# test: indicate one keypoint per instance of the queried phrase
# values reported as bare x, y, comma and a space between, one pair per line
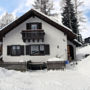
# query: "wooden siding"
54, 65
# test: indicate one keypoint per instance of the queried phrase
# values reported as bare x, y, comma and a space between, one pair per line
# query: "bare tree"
5, 19
79, 13
45, 6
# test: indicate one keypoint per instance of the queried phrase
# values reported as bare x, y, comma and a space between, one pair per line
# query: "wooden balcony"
32, 35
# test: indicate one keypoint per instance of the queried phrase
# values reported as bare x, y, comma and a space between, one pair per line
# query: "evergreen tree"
69, 17
45, 6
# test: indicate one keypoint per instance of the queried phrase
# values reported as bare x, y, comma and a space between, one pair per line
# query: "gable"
33, 13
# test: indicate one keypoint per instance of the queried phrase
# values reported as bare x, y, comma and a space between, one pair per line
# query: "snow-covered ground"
81, 52
77, 78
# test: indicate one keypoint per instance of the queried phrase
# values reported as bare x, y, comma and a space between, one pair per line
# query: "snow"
77, 78
43, 80
81, 52
77, 41
84, 65
56, 59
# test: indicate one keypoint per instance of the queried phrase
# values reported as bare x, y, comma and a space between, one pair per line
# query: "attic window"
34, 26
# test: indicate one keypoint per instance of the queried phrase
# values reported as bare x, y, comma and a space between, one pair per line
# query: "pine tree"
45, 6
69, 17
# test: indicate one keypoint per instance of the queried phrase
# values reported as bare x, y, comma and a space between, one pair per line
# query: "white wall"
53, 37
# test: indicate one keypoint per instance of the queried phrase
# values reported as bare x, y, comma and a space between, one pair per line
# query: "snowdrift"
81, 52
84, 66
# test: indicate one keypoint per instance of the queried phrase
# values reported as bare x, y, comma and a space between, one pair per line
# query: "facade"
35, 37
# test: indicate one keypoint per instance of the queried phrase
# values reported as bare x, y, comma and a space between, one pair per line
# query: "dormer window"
34, 26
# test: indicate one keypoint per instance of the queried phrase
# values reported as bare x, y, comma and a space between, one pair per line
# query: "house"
36, 37
87, 40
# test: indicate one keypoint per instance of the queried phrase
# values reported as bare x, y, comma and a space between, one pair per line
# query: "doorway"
70, 51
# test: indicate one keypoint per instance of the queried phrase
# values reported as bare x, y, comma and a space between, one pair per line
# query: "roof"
77, 43
32, 13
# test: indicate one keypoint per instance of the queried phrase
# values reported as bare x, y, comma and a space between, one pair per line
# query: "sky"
19, 7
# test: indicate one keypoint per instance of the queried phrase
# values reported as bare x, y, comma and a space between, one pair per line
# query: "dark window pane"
28, 50
47, 49
8, 50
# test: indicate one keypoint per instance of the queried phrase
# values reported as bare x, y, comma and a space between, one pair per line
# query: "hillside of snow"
84, 65
77, 78
81, 52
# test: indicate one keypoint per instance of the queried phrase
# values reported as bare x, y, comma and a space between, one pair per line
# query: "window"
37, 50
15, 50
34, 26
34, 50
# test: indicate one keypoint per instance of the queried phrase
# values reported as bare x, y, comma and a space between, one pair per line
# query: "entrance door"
70, 51
0, 50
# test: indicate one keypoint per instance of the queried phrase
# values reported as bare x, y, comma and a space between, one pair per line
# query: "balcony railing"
32, 35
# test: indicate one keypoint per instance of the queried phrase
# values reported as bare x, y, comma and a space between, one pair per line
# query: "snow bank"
84, 66
56, 59
81, 52
43, 80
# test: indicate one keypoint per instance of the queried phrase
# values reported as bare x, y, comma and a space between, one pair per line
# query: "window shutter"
47, 50
9, 50
39, 26
22, 50
28, 26
28, 50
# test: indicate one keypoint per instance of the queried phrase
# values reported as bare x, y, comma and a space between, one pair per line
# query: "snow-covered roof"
53, 19
30, 13
75, 40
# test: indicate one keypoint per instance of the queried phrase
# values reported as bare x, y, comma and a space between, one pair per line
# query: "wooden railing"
33, 35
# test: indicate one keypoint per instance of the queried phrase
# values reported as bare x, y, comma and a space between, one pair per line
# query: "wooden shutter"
28, 26
28, 50
47, 50
9, 50
39, 26
22, 50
